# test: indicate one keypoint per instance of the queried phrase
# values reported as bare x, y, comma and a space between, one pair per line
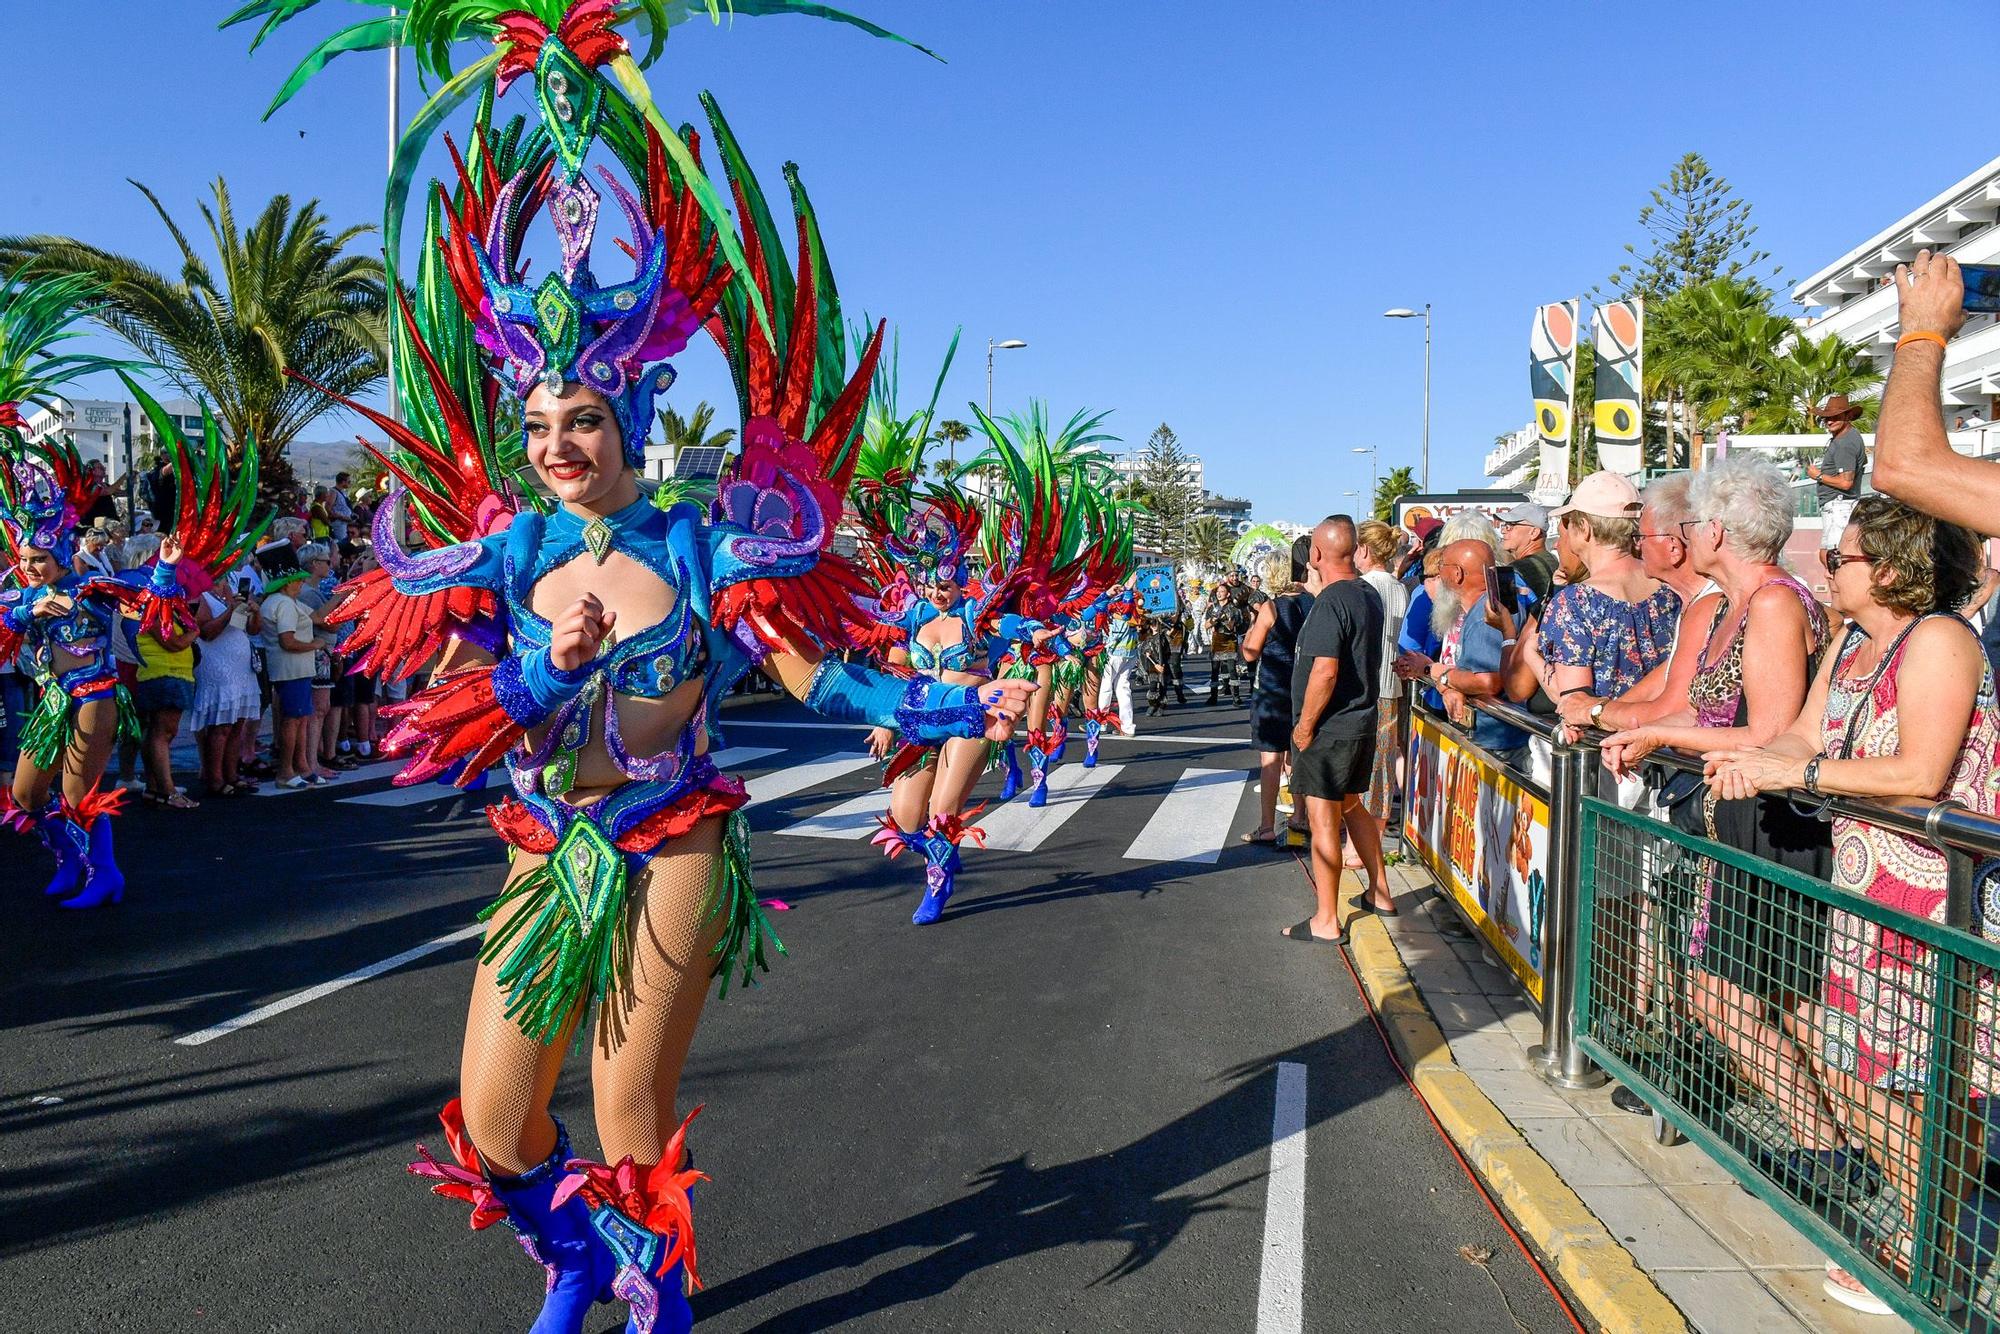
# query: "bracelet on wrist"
1921, 336
1811, 775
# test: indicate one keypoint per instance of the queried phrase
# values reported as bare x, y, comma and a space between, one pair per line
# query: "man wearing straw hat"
1839, 470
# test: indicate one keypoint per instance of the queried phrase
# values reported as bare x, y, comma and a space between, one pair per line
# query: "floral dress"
1879, 982
1619, 641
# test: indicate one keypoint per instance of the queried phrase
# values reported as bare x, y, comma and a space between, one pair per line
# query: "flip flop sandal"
1268, 836
1362, 904
1304, 935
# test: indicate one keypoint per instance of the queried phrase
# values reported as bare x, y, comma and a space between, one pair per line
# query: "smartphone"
1982, 288
1500, 588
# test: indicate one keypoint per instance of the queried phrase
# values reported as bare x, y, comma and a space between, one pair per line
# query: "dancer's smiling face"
944, 594
37, 567
574, 444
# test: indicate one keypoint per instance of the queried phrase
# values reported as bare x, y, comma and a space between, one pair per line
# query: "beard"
1446, 608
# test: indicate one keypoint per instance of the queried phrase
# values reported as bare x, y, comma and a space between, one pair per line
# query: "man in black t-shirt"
1336, 681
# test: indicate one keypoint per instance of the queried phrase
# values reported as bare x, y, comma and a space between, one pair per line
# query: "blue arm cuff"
923, 710
163, 582
530, 687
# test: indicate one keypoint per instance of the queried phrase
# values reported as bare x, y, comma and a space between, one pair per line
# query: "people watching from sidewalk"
93, 554
164, 690
1841, 468
1524, 537
1610, 622
1751, 954
289, 623
280, 554
1376, 557
1336, 678
1468, 665
323, 728
1896, 575
1271, 643
1663, 551
226, 699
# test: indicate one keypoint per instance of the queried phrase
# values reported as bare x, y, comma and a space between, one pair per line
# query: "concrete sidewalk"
1726, 1259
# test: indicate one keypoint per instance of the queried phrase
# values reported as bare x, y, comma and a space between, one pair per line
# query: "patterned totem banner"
1552, 378
1620, 333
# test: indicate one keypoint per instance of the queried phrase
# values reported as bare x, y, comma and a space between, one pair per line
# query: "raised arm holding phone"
1914, 461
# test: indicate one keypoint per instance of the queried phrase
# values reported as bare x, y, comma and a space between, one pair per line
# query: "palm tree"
951, 433
691, 431
280, 297
1805, 376
1208, 542
1392, 487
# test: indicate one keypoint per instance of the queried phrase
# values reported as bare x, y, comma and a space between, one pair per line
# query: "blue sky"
1194, 213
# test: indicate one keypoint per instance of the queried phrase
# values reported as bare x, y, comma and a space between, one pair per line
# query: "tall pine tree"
1165, 486
1697, 230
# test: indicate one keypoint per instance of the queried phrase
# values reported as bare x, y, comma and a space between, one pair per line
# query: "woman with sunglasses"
1897, 574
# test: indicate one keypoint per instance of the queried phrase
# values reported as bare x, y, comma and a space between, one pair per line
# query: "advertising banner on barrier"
1485, 839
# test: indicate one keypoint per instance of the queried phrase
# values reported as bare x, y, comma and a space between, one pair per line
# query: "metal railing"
1833, 1052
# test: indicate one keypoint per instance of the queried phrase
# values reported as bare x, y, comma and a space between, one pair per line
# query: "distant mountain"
316, 461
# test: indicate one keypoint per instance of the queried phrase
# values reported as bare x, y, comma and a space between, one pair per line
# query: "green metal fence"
1834, 1053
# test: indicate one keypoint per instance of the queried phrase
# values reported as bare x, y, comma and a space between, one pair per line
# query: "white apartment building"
97, 426
1855, 297
1129, 466
1513, 459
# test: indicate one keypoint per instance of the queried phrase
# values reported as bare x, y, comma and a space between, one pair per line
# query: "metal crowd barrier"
1835, 1054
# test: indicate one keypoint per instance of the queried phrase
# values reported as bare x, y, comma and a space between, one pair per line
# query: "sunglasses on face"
1833, 560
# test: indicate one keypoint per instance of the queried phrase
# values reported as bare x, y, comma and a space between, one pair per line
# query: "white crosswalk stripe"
1193, 820
850, 820
1019, 827
496, 779
782, 783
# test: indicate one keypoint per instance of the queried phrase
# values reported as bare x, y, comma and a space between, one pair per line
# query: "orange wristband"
1921, 336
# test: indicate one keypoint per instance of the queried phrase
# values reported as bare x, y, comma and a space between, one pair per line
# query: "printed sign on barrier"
1155, 584
1485, 839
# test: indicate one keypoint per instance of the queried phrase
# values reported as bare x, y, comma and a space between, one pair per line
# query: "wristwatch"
1597, 711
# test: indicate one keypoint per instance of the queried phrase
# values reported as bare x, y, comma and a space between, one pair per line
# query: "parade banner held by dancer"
1155, 586
1485, 838
1552, 379
1618, 419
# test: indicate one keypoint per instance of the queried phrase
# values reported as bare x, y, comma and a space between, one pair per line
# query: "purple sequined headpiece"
38, 511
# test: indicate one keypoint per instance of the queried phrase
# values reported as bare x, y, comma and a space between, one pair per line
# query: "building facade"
97, 427
1513, 459
1855, 297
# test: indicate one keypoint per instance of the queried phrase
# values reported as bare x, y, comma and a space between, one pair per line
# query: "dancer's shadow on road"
1136, 1196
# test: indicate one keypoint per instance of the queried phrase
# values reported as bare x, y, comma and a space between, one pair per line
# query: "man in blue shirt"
1467, 663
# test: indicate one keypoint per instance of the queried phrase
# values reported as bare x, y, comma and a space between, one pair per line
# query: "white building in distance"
1855, 297
97, 426
1513, 458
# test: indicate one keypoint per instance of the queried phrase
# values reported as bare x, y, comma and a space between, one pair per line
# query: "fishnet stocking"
506, 1078
644, 1034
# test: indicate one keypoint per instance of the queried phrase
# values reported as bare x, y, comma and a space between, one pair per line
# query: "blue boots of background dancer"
79, 838
1010, 782
1039, 750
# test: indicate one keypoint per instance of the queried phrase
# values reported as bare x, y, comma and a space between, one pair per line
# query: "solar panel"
702, 463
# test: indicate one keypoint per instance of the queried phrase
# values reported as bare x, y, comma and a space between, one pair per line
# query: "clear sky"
1193, 213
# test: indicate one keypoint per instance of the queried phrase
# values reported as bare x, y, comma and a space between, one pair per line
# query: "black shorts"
1334, 767
350, 689
1271, 722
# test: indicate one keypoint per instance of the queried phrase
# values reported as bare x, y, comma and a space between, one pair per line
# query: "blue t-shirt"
1479, 650
1416, 636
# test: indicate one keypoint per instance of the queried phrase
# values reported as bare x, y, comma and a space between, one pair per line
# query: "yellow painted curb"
1607, 1282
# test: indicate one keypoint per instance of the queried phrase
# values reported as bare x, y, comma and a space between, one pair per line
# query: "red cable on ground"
1470, 1175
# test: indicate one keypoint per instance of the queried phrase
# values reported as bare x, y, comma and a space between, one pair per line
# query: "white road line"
850, 820
496, 780
782, 783
1281, 1281
341, 983
730, 721
1193, 820
379, 769
1019, 827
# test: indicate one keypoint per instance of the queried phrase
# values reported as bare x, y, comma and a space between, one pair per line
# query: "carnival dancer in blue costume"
59, 623
588, 642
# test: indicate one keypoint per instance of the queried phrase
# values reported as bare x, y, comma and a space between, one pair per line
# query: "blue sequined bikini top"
651, 663
960, 657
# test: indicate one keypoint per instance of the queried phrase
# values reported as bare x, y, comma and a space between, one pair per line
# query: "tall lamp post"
395, 136
1374, 453
990, 346
1405, 313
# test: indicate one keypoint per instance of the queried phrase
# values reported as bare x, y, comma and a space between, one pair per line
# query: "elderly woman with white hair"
1748, 957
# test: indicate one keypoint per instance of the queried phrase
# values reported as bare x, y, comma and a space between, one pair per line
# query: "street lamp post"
1374, 453
395, 136
990, 345
1405, 313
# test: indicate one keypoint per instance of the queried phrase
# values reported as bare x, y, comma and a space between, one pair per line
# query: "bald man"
1336, 680
1468, 663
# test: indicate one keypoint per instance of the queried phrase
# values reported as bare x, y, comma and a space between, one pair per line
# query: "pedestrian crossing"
1192, 822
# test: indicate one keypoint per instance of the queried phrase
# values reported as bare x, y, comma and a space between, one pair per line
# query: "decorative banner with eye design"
1620, 336
1552, 379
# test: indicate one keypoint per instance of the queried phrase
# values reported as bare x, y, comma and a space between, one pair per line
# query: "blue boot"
1038, 770
103, 883
561, 1239
1091, 731
67, 843
1058, 737
1010, 783
941, 865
